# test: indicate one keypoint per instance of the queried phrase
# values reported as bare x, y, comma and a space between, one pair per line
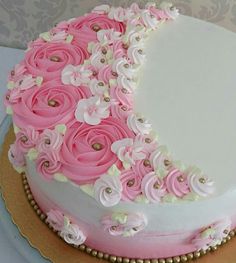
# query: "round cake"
124, 129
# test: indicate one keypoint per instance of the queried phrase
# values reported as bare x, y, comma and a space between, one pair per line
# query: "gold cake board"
47, 242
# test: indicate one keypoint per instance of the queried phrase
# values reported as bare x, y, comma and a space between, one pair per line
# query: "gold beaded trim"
114, 259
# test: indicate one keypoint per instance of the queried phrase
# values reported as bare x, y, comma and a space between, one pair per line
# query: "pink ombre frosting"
177, 183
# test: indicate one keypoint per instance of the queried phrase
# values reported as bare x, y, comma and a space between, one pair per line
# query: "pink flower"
72, 234
120, 112
27, 138
12, 96
105, 74
49, 59
153, 187
75, 75
122, 224
51, 104
108, 189
92, 110
122, 96
212, 235
16, 156
55, 218
177, 183
49, 140
149, 143
128, 151
131, 183
89, 147
17, 72
85, 28
48, 163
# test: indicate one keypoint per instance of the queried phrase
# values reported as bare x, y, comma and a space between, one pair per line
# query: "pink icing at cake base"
144, 245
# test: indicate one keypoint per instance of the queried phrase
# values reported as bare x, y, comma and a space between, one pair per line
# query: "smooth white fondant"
187, 91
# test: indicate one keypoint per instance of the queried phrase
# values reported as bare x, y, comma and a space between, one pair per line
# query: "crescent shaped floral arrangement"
72, 99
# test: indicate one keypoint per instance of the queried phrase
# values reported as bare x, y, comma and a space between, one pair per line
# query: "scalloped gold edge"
112, 258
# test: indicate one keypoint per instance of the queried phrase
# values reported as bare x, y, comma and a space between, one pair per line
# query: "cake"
94, 103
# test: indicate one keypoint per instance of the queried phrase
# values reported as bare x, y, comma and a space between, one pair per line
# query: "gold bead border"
114, 259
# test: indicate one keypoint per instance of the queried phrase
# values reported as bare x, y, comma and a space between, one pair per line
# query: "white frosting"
187, 91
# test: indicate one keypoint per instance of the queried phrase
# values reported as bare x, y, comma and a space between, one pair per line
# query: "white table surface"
13, 247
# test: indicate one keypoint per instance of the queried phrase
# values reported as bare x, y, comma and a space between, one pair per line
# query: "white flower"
149, 20
123, 67
92, 110
75, 75
128, 151
101, 9
98, 88
138, 125
171, 11
72, 234
120, 14
107, 37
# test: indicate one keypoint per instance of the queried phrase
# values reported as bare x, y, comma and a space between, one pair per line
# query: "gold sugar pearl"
96, 28
13, 73
102, 60
123, 90
146, 163
137, 38
47, 141
202, 180
156, 185
225, 231
125, 46
46, 164
24, 139
141, 120
97, 146
148, 140
104, 51
113, 227
8, 97
130, 182
100, 83
126, 65
55, 59
114, 74
167, 162
108, 190
124, 108
52, 103
95, 73
20, 82
107, 99
140, 51
180, 178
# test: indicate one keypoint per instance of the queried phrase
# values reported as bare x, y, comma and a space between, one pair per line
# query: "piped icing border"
207, 240
72, 104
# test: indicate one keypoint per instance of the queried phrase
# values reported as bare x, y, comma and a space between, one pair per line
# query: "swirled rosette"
153, 187
177, 183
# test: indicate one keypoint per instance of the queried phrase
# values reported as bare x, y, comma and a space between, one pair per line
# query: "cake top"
72, 100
